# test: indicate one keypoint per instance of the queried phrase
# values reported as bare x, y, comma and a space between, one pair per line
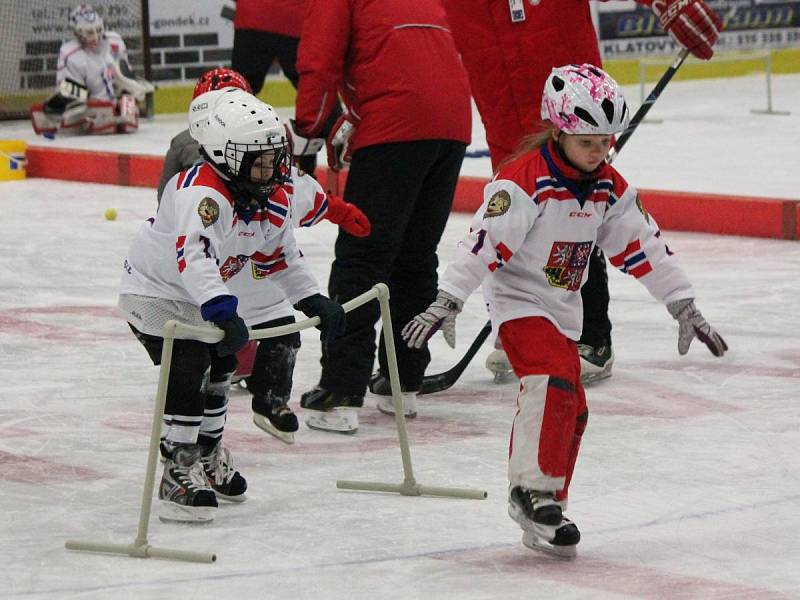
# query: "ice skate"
330, 411
223, 477
385, 404
544, 526
596, 363
497, 363
379, 384
276, 418
185, 494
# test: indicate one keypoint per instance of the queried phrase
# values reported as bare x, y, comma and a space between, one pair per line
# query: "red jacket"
396, 65
508, 63
275, 16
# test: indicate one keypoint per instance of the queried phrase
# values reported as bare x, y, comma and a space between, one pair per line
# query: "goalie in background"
96, 91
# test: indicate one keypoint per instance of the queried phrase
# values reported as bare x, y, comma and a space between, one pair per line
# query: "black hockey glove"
236, 335
331, 316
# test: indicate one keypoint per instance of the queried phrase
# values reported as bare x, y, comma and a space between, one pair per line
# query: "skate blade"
533, 542
503, 376
588, 378
263, 423
169, 512
237, 499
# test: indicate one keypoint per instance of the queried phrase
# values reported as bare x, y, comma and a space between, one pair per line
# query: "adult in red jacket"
396, 65
509, 49
265, 31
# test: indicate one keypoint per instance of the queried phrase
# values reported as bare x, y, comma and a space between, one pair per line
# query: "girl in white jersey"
543, 214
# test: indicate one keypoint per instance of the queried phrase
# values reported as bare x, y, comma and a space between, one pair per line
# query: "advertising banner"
630, 30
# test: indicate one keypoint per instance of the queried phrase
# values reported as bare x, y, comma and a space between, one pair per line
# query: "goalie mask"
585, 100
244, 139
217, 79
87, 26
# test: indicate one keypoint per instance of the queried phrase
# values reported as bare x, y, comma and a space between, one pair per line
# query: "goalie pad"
127, 114
125, 82
93, 117
66, 108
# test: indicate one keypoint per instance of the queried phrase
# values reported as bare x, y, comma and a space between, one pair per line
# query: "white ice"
687, 486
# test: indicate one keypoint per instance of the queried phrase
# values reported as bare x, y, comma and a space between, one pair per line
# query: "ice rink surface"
688, 484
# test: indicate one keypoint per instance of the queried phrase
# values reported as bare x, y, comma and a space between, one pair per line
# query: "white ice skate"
342, 419
497, 362
596, 363
385, 404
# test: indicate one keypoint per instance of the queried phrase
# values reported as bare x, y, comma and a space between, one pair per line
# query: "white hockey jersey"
534, 237
196, 246
92, 68
260, 299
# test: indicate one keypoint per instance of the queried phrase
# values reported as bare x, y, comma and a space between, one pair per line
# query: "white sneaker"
342, 419
497, 362
385, 404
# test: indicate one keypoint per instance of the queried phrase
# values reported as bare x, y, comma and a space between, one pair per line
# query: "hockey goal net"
33, 33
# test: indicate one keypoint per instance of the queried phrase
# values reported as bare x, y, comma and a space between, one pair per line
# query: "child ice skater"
543, 214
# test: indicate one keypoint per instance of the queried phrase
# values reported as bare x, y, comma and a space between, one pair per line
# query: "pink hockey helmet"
219, 78
584, 99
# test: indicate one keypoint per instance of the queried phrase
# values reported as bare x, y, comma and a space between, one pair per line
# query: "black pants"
253, 54
406, 189
596, 324
273, 368
190, 361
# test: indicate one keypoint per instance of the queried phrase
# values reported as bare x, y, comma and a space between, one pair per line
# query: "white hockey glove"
299, 145
441, 314
125, 82
691, 324
337, 144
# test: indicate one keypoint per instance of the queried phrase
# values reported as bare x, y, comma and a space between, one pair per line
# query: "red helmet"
219, 78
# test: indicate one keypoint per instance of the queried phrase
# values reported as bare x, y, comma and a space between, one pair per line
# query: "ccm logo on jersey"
580, 214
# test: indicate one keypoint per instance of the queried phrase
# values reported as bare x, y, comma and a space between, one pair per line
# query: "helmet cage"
87, 25
240, 159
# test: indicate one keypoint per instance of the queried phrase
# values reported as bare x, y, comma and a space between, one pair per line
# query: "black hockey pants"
406, 189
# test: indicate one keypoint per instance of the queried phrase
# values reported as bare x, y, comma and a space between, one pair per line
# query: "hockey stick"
647, 104
438, 383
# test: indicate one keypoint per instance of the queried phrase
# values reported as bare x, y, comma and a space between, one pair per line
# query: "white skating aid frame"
140, 548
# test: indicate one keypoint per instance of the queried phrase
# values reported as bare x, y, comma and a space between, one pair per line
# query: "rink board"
677, 211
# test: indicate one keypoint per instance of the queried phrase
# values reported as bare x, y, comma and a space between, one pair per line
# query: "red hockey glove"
691, 23
348, 216
337, 143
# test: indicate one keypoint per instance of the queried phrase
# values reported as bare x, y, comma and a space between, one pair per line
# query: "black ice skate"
596, 363
276, 418
331, 411
223, 477
379, 384
544, 526
185, 494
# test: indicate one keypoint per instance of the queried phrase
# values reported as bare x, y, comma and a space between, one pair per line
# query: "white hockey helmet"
584, 99
87, 25
234, 129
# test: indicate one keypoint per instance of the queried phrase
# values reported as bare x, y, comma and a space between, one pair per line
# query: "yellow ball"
110, 214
